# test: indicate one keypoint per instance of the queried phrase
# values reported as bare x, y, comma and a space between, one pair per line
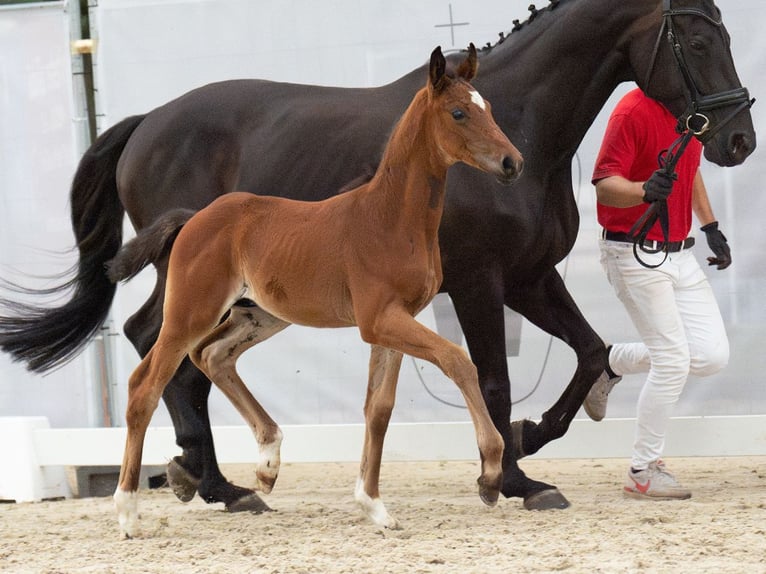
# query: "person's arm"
700, 201
704, 213
616, 191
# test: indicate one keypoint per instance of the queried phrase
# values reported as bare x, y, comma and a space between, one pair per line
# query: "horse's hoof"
265, 482
249, 503
183, 484
489, 497
517, 439
488, 494
550, 499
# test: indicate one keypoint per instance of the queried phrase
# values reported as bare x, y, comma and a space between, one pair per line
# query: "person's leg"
649, 298
705, 330
629, 358
705, 333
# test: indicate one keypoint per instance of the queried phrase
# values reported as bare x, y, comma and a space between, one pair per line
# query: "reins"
692, 123
658, 210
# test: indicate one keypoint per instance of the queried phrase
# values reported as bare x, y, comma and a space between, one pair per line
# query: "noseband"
694, 118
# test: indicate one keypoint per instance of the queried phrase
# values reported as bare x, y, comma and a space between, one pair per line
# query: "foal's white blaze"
126, 503
478, 100
374, 508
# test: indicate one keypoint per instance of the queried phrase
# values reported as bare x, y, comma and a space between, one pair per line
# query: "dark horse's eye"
458, 114
696, 45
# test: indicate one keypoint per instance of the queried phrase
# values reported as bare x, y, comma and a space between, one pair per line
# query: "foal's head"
462, 120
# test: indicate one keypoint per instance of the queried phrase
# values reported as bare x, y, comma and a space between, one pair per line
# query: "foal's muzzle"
511, 170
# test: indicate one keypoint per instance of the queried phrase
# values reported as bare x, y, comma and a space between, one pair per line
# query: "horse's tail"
149, 246
43, 337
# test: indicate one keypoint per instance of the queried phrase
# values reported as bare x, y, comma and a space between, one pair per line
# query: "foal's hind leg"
144, 392
216, 356
186, 397
381, 394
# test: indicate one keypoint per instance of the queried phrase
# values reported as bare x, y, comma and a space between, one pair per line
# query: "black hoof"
550, 499
183, 484
249, 503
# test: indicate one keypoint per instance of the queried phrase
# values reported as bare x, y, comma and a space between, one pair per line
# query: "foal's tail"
44, 337
149, 246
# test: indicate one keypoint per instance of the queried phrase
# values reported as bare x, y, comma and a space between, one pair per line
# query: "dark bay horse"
369, 257
548, 79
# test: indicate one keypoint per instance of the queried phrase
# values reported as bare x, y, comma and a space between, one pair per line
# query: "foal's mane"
405, 131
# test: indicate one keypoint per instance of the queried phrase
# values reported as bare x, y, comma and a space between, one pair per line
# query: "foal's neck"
410, 180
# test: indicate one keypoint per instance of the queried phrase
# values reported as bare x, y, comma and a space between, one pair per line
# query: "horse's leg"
186, 397
217, 355
480, 310
381, 395
144, 391
548, 304
395, 329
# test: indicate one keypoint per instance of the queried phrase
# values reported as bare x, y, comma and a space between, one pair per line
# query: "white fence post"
22, 478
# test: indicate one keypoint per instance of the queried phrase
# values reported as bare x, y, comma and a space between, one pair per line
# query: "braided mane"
518, 25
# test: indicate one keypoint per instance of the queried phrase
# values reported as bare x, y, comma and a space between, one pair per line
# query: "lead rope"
658, 210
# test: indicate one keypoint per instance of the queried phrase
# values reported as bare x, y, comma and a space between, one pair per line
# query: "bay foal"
369, 257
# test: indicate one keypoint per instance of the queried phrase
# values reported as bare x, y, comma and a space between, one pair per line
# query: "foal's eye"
458, 114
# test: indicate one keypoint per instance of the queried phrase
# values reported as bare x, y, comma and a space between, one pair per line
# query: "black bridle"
693, 122
694, 118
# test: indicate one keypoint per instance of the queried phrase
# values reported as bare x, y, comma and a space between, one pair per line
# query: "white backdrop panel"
38, 135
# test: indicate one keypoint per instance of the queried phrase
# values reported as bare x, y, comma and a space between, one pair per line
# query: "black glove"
658, 186
718, 245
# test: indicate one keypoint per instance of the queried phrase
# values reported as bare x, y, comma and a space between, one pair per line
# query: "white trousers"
682, 332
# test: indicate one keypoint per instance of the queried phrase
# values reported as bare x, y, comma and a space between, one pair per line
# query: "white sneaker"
656, 483
595, 402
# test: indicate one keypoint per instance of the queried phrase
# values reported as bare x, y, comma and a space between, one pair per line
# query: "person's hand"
718, 245
658, 186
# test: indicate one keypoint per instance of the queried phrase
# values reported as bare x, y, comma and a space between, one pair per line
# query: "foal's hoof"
488, 494
266, 481
550, 499
183, 484
249, 503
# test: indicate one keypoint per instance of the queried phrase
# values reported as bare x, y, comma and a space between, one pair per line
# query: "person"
672, 305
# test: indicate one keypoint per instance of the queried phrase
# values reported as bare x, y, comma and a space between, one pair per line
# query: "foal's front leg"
396, 329
381, 395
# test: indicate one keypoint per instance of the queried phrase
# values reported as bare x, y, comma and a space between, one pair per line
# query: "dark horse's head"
685, 62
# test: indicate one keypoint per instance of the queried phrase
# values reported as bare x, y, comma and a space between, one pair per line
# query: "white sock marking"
126, 503
374, 508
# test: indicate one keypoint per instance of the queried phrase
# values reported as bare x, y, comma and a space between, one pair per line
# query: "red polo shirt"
638, 130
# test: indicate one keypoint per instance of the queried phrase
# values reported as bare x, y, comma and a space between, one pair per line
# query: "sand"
316, 526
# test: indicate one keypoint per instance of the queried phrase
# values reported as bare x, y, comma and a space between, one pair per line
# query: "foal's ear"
438, 69
468, 67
